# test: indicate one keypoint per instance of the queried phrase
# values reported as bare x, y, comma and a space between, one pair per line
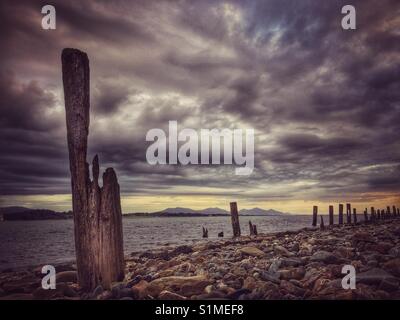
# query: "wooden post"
348, 213
322, 225
255, 232
366, 215
330, 215
235, 219
315, 214
340, 213
379, 214
205, 232
398, 211
355, 215
251, 228
394, 211
373, 214
388, 211
97, 211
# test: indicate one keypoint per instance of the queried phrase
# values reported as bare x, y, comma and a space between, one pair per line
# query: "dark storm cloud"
324, 101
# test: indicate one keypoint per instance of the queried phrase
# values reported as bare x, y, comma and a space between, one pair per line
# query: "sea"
35, 243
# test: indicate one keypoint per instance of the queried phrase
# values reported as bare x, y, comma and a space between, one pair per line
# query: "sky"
324, 102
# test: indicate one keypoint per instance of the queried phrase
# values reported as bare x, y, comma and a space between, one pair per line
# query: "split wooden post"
330, 215
322, 225
366, 215
340, 214
315, 214
205, 232
255, 232
253, 229
355, 215
348, 213
235, 219
97, 210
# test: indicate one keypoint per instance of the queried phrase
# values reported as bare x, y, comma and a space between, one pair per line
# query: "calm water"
27, 243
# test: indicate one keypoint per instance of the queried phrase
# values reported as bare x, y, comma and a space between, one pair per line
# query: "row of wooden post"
351, 216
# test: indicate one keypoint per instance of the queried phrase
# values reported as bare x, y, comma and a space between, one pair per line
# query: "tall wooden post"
398, 211
388, 211
340, 213
97, 210
322, 225
235, 219
355, 215
394, 211
373, 214
330, 215
366, 215
348, 213
315, 214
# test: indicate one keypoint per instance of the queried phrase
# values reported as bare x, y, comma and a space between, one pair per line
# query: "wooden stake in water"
315, 214
354, 215
366, 215
235, 219
330, 215
348, 213
340, 213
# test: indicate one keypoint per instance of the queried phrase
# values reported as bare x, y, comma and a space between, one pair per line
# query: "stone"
291, 262
141, 290
374, 276
393, 266
168, 295
67, 276
279, 250
98, 291
269, 276
186, 286
324, 257
295, 273
389, 286
235, 295
252, 251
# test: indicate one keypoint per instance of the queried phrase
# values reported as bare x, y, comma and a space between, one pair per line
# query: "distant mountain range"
179, 211
22, 213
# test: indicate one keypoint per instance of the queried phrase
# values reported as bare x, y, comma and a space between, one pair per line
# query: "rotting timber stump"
97, 210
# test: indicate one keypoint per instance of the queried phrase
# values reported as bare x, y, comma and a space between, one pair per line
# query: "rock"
374, 276
362, 236
168, 295
395, 252
235, 295
325, 257
98, 291
252, 251
291, 288
295, 273
393, 266
61, 290
291, 262
18, 296
389, 286
279, 250
269, 276
141, 290
186, 286
67, 276
249, 283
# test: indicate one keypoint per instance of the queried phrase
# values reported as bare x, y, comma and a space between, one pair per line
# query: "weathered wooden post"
355, 215
394, 211
315, 214
379, 214
205, 232
235, 219
322, 225
330, 215
388, 211
340, 213
253, 229
373, 214
255, 232
398, 211
366, 215
97, 210
348, 213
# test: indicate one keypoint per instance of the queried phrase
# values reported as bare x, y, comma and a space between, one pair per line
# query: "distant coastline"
23, 213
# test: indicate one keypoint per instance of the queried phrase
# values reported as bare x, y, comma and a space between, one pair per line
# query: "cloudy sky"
324, 102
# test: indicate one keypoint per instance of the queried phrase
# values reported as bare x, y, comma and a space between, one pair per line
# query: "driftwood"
235, 219
97, 210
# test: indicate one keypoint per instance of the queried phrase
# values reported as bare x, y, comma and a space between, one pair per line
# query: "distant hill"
187, 212
22, 213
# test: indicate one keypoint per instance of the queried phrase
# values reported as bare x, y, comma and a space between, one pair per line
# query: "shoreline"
301, 264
